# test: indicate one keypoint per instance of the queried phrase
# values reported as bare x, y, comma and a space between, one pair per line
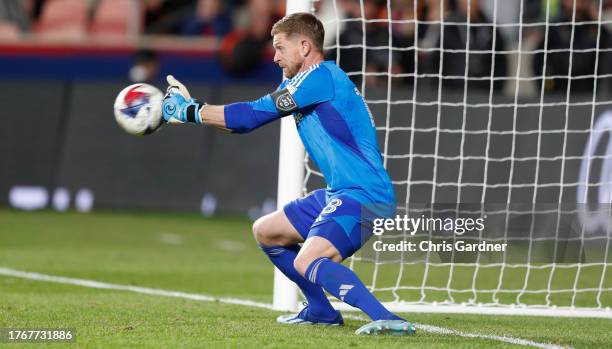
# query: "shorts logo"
331, 207
285, 102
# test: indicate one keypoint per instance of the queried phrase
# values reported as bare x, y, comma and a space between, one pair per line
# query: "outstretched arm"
312, 87
242, 117
214, 115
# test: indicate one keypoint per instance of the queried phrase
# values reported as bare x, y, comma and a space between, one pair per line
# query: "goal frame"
291, 171
290, 183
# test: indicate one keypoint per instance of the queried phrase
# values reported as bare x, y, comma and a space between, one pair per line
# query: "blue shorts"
340, 220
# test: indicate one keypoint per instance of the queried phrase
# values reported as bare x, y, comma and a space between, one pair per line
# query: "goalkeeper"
337, 130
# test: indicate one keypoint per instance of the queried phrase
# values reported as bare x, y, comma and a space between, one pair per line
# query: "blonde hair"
301, 23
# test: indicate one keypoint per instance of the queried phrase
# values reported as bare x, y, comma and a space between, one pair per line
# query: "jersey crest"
284, 102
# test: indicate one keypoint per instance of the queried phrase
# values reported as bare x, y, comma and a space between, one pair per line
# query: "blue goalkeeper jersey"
337, 129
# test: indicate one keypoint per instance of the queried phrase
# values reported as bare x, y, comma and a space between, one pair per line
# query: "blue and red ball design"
134, 100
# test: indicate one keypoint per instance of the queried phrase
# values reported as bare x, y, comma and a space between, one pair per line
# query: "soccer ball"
138, 109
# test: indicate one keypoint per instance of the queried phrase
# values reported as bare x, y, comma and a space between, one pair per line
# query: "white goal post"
529, 139
290, 183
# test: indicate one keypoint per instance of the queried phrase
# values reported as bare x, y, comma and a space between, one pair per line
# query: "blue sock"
344, 284
282, 257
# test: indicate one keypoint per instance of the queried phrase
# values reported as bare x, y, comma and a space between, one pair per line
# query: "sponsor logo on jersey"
298, 117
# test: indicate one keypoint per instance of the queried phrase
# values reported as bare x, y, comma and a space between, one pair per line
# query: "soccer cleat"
393, 327
304, 317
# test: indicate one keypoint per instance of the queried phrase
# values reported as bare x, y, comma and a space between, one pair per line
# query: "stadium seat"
63, 19
117, 19
8, 31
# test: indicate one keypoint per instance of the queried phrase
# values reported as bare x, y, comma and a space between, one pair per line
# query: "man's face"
288, 54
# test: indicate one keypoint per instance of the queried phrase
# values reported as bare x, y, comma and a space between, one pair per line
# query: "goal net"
499, 110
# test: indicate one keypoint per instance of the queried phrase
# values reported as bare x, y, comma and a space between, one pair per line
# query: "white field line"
136, 289
229, 245
237, 301
171, 239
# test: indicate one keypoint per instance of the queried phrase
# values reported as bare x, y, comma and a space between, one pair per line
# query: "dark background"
63, 134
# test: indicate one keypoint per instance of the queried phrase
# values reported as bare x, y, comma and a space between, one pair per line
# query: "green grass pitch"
215, 257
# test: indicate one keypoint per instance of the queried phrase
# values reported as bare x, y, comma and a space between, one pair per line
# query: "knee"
263, 234
301, 263
259, 231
